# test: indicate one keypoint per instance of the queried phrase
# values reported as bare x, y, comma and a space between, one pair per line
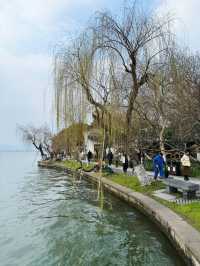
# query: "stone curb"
183, 236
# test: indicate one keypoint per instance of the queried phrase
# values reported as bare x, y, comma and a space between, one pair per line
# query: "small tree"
39, 137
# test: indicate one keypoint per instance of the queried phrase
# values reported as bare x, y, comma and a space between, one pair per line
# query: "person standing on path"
186, 165
125, 163
89, 156
158, 164
110, 157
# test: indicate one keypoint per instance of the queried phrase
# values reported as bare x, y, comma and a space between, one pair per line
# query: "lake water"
48, 218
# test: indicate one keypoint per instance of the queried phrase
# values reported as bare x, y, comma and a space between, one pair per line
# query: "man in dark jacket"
110, 157
125, 163
89, 156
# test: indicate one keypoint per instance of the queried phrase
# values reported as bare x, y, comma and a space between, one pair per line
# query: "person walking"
158, 164
110, 157
186, 165
89, 156
125, 163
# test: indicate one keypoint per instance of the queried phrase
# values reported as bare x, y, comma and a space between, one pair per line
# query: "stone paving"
162, 194
195, 180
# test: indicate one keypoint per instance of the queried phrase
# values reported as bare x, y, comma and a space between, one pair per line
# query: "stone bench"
188, 189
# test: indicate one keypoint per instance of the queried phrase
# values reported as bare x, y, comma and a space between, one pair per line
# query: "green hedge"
195, 171
148, 165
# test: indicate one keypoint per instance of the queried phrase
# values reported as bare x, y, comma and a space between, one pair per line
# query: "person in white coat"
186, 165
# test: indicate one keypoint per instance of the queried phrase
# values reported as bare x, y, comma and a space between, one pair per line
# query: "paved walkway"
119, 170
195, 180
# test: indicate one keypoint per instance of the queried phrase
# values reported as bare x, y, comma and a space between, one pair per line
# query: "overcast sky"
30, 29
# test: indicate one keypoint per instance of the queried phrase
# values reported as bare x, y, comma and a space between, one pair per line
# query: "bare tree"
137, 39
156, 104
186, 86
40, 138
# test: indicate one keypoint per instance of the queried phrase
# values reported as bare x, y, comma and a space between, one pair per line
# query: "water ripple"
50, 219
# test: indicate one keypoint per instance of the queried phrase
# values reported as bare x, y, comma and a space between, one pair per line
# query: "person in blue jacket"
158, 164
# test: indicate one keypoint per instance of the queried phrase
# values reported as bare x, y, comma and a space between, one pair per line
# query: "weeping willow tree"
70, 100
71, 105
107, 67
84, 89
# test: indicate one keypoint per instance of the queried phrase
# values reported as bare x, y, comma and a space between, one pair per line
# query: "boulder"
142, 176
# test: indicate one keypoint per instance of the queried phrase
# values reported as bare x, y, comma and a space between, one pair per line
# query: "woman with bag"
186, 165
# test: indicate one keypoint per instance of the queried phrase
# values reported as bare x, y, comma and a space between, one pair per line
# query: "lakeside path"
195, 180
182, 235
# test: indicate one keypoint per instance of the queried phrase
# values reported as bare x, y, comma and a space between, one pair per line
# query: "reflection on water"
48, 218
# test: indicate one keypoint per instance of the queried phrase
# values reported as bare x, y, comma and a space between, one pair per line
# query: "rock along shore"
183, 236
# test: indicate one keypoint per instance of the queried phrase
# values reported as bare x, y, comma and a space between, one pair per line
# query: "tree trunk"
39, 148
129, 112
161, 137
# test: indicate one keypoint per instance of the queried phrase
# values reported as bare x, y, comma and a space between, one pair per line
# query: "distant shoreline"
17, 151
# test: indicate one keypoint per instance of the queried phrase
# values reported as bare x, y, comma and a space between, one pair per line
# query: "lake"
49, 218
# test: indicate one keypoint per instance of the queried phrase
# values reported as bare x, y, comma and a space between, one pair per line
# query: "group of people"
111, 158
160, 167
119, 158
159, 162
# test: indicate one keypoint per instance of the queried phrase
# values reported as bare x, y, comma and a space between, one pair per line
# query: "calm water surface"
46, 218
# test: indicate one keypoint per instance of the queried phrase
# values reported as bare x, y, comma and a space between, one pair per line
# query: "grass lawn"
133, 183
75, 165
190, 212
